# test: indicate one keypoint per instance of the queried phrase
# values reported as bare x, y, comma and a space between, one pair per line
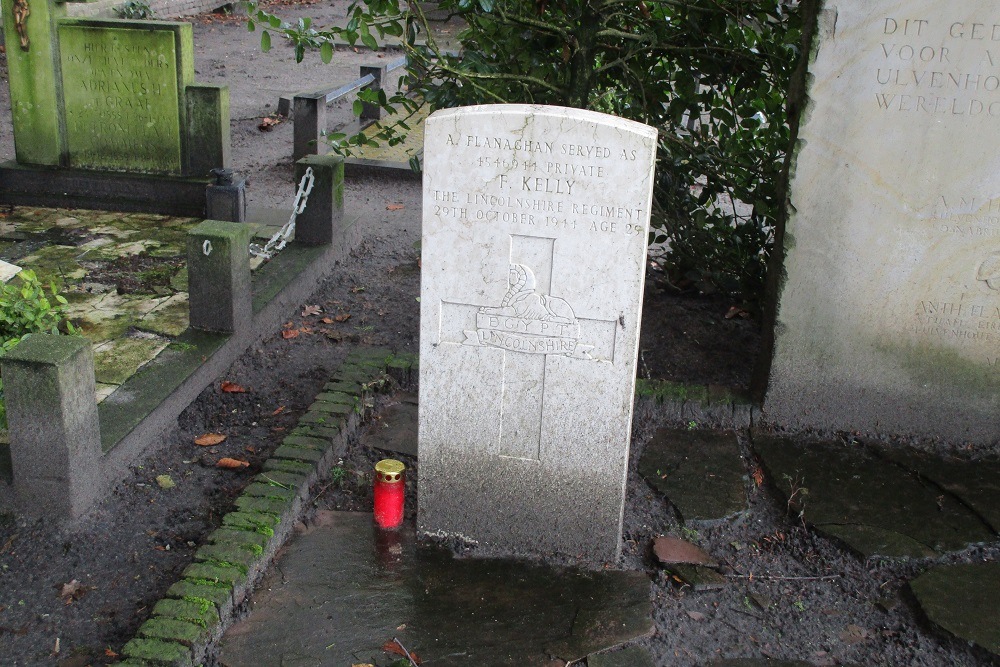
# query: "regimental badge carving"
21, 11
529, 321
989, 271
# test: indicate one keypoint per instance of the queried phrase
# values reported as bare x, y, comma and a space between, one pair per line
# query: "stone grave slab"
700, 472
962, 599
874, 506
395, 429
341, 590
888, 314
533, 257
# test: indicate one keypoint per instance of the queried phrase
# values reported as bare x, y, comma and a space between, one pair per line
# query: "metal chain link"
277, 242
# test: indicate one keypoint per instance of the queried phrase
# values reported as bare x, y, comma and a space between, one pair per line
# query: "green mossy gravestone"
104, 98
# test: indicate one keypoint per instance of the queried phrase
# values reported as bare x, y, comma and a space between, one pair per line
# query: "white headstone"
533, 260
888, 317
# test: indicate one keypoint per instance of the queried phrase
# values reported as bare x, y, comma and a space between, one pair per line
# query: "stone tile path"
341, 590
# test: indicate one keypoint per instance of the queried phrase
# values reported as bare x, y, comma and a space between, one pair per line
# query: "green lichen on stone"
213, 574
338, 397
262, 523
325, 431
287, 480
271, 492
224, 555
172, 629
237, 537
187, 610
333, 408
159, 652
315, 444
286, 465
264, 504
123, 357
193, 590
343, 386
297, 454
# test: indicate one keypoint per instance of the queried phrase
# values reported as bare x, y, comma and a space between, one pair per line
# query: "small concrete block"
251, 521
215, 574
159, 652
219, 275
217, 595
237, 538
248, 503
277, 478
263, 490
338, 397
226, 555
322, 220
333, 408
187, 610
321, 419
171, 629
317, 444
285, 465
327, 431
351, 373
297, 454
346, 386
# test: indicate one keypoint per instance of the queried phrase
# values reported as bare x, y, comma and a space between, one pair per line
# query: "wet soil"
792, 594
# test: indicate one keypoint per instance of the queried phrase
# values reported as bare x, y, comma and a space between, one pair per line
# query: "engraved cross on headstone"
532, 324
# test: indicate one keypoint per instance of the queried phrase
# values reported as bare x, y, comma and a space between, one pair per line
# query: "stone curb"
199, 607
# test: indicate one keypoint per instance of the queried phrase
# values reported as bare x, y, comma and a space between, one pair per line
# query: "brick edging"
198, 608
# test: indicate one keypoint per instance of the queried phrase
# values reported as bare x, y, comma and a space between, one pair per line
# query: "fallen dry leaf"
343, 317
394, 207
281, 408
289, 333
209, 439
311, 310
327, 320
232, 388
267, 124
231, 464
696, 616
74, 590
394, 648
165, 482
108, 653
736, 311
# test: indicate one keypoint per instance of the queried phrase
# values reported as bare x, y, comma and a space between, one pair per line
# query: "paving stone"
237, 537
337, 397
873, 505
286, 465
633, 656
214, 574
220, 596
333, 408
673, 550
975, 483
345, 386
171, 629
324, 431
289, 480
297, 454
272, 491
396, 428
341, 588
700, 472
963, 600
758, 662
187, 610
262, 504
226, 554
318, 444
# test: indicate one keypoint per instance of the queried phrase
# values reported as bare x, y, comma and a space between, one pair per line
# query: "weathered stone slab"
123, 89
342, 590
700, 472
962, 599
873, 505
888, 317
533, 255
633, 656
395, 430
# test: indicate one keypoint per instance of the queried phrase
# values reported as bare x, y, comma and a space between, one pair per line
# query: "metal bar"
349, 88
396, 64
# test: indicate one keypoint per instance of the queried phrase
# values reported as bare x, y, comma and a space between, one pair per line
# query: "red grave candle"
390, 491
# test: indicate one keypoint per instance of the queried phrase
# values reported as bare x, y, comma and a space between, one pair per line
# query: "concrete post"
308, 125
208, 139
227, 198
320, 223
55, 434
372, 112
218, 256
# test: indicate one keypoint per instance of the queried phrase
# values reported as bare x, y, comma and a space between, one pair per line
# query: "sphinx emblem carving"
529, 321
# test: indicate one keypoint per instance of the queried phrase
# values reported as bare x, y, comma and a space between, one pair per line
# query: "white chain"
282, 236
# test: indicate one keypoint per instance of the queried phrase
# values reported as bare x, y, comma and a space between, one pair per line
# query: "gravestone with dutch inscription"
535, 223
107, 111
888, 313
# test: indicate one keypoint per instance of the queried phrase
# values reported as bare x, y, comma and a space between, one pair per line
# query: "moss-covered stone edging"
707, 405
198, 608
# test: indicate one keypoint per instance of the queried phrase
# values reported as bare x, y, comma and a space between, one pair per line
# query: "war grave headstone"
888, 313
106, 114
533, 255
